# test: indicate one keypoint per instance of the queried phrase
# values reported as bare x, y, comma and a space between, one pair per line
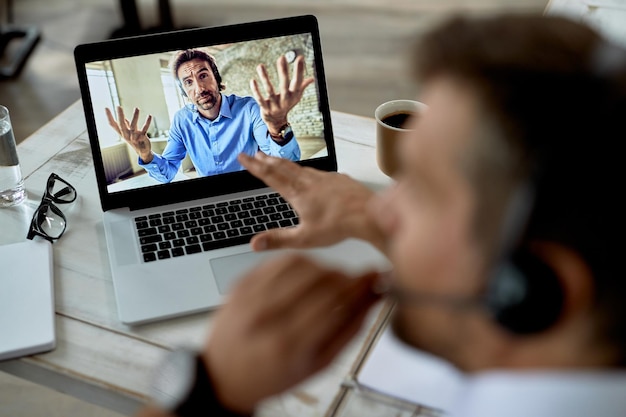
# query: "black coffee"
397, 119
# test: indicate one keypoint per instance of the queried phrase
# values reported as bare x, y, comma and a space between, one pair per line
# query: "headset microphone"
421, 298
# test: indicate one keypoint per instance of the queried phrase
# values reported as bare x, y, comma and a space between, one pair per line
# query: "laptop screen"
194, 155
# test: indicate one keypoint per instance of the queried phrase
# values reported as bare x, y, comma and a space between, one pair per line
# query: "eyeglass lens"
59, 191
50, 221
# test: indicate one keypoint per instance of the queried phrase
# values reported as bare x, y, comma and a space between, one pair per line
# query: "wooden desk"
99, 359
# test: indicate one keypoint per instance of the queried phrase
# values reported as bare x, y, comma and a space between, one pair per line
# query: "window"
173, 97
103, 90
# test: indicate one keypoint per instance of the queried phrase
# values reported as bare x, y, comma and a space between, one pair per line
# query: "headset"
523, 297
523, 293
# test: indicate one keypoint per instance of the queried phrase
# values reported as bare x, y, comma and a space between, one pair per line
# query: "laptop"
177, 245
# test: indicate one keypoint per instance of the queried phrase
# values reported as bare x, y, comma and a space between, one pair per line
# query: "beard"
207, 100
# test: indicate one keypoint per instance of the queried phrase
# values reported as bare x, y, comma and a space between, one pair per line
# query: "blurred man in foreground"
506, 212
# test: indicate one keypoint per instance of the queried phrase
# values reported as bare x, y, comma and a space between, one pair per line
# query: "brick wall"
237, 65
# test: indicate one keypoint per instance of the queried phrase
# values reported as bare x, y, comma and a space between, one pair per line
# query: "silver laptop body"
154, 280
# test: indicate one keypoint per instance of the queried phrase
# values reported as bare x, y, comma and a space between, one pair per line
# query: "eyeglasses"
48, 220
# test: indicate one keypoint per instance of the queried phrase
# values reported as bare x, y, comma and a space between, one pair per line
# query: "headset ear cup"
525, 295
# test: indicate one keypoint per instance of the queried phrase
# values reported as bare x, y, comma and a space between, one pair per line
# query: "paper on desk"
398, 370
26, 299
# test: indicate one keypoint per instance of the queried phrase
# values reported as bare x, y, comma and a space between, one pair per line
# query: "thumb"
276, 239
307, 82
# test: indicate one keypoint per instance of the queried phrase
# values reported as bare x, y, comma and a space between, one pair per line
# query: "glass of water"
12, 190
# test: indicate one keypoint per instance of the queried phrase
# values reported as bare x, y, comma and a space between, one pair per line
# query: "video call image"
196, 147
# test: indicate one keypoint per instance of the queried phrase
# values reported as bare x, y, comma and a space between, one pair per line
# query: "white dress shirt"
596, 393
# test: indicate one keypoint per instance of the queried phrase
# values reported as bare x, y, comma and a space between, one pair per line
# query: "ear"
573, 273
572, 340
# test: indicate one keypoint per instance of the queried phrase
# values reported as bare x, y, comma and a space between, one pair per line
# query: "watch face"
287, 133
173, 379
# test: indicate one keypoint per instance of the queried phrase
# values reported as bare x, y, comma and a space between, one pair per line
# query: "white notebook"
395, 369
26, 299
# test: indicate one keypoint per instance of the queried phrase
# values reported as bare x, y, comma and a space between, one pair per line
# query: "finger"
264, 276
146, 125
343, 335
110, 116
293, 315
291, 277
307, 82
112, 121
282, 67
348, 325
298, 74
123, 122
277, 173
281, 291
265, 79
326, 315
284, 237
133, 122
256, 93
315, 312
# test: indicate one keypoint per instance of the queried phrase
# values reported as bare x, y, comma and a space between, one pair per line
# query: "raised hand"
275, 106
331, 206
136, 138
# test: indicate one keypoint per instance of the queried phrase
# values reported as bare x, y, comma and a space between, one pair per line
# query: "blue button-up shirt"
213, 145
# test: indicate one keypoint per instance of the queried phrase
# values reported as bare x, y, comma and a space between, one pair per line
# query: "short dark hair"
555, 91
190, 54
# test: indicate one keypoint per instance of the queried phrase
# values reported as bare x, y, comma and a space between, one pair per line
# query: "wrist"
147, 158
284, 135
274, 128
233, 403
182, 386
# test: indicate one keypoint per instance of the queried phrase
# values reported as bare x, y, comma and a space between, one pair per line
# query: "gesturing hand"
285, 320
137, 138
331, 206
276, 106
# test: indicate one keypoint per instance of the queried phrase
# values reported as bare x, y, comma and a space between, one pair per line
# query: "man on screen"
214, 128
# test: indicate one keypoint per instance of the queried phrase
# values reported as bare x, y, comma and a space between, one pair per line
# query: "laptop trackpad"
125, 252
229, 269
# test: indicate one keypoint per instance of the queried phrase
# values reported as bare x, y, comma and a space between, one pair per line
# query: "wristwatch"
285, 133
181, 386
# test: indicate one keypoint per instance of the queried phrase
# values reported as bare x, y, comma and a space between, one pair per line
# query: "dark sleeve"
207, 404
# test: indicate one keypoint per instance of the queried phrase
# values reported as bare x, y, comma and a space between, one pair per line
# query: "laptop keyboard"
211, 226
